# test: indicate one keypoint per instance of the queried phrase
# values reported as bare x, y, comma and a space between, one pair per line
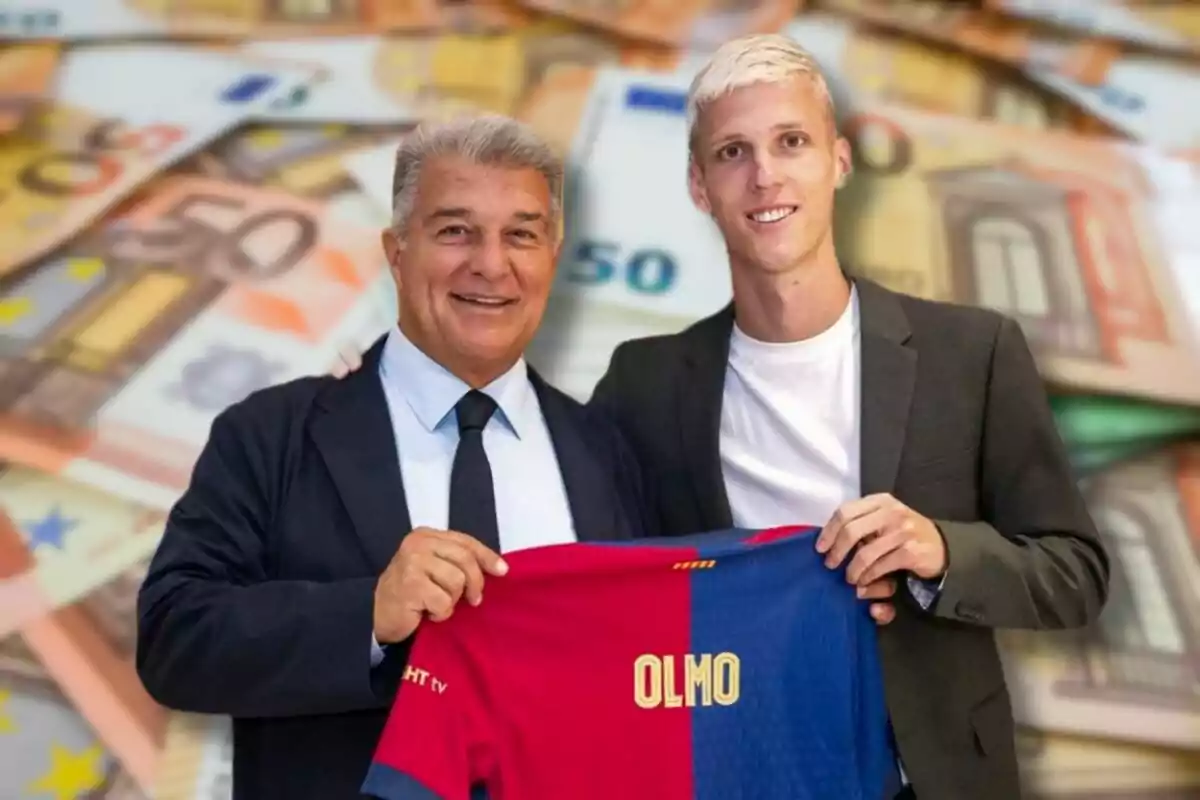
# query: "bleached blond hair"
746, 60
486, 139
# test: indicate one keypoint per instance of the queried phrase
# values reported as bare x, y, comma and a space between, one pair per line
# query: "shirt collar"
431, 390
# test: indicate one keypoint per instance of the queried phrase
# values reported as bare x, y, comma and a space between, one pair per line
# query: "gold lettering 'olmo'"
704, 679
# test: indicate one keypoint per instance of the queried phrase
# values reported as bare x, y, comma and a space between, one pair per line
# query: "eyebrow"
465, 213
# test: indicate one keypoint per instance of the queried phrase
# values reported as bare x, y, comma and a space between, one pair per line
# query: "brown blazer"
955, 424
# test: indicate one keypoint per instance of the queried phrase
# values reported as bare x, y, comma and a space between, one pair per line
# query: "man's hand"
349, 360
885, 536
431, 571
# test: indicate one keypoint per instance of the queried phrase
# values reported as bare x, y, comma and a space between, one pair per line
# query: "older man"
327, 520
918, 433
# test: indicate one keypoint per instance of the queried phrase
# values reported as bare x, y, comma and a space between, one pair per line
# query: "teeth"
774, 215
484, 301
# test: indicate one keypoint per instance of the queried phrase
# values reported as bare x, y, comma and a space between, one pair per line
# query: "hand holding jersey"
882, 536
430, 573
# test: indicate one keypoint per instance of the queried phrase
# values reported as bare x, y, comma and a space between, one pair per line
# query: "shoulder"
941, 325
658, 355
274, 413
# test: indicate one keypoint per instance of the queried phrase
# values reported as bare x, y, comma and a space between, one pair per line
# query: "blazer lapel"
698, 409
889, 369
590, 495
353, 432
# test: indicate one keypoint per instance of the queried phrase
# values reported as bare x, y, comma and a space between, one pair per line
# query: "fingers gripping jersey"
725, 666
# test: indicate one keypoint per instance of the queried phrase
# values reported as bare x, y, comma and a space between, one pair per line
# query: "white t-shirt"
790, 425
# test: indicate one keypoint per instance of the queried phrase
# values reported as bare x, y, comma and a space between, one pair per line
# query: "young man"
917, 433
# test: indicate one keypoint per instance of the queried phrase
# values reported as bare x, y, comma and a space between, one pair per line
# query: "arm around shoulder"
1036, 561
216, 633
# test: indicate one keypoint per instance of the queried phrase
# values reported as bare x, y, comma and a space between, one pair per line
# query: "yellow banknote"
989, 36
60, 541
1081, 240
1131, 676
50, 749
700, 24
126, 345
27, 74
77, 157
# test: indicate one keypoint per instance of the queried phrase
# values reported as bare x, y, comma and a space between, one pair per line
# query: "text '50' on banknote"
123, 348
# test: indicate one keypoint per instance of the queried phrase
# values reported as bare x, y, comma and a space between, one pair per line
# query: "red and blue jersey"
725, 665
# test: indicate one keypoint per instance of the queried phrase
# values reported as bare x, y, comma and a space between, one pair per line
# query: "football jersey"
725, 665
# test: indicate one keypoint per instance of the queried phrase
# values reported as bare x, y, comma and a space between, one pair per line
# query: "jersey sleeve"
431, 745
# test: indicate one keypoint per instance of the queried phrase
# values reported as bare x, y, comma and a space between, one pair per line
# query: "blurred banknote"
126, 19
59, 541
119, 351
871, 63
1165, 24
1150, 99
1010, 42
1132, 675
701, 24
88, 649
1058, 766
373, 80
92, 146
50, 750
27, 73
1083, 241
197, 759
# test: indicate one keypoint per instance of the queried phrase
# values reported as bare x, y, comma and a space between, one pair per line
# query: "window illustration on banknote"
1135, 674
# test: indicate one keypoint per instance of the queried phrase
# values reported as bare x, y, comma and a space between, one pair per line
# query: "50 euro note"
197, 758
120, 350
990, 36
87, 649
128, 19
1131, 676
80, 155
1087, 243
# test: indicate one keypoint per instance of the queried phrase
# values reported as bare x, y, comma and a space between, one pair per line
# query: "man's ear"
844, 160
696, 188
393, 250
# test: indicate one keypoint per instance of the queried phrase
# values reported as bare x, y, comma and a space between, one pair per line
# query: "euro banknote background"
190, 196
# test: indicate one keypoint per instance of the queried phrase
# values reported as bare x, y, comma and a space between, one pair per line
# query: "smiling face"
475, 266
766, 163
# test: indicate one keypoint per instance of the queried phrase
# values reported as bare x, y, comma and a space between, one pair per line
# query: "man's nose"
766, 173
491, 258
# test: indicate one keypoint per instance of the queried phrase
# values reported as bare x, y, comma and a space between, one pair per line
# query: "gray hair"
489, 139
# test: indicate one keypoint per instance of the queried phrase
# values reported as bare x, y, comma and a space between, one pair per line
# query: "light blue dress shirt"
531, 501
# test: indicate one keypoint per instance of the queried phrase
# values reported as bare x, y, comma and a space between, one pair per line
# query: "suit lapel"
353, 432
698, 410
594, 507
889, 370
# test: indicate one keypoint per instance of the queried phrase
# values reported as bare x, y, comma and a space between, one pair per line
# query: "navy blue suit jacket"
259, 601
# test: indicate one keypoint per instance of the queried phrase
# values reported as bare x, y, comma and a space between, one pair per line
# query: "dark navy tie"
472, 496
